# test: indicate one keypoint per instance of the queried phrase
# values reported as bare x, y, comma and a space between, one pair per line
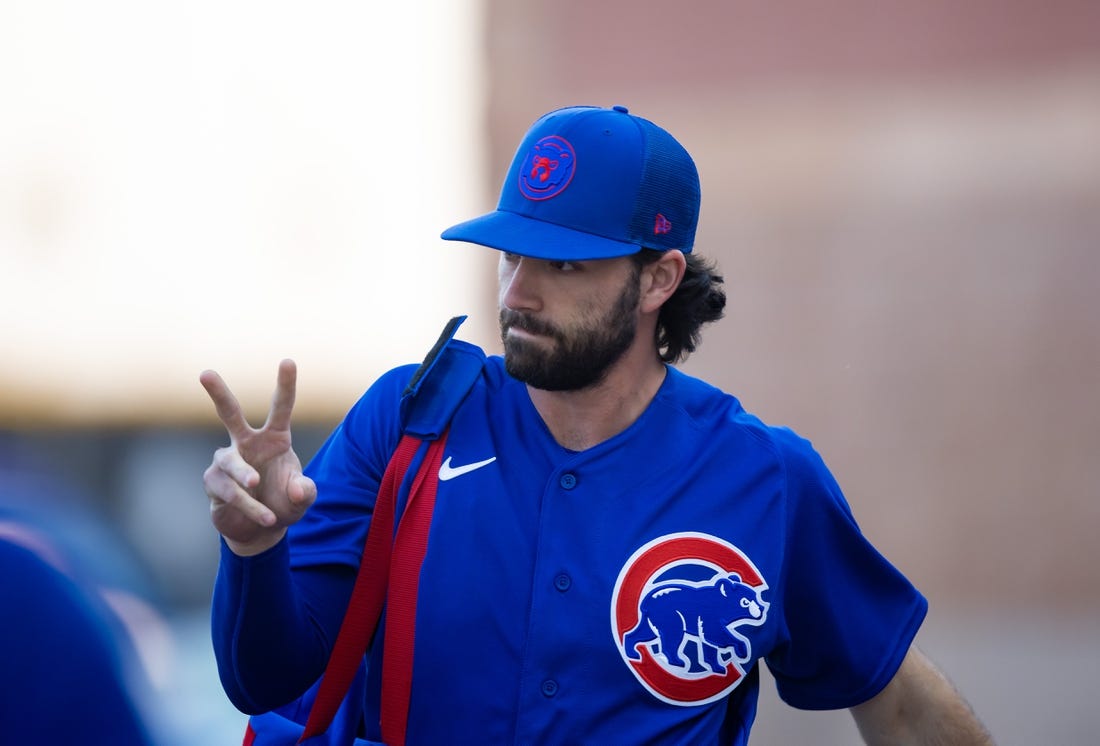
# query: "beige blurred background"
904, 198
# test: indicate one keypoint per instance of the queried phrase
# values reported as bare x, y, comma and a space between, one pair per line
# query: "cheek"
504, 279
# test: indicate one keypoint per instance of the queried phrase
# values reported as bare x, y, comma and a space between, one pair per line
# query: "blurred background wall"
904, 199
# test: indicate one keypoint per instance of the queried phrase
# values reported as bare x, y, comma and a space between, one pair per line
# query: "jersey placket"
545, 685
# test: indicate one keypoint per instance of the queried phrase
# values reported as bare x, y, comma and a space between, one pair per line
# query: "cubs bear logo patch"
676, 611
548, 168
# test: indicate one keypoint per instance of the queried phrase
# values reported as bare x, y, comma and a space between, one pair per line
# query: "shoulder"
43, 582
710, 409
30, 564
376, 420
380, 402
699, 404
62, 624
495, 382
721, 418
495, 377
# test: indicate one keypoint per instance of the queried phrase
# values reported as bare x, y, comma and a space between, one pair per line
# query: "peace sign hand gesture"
255, 484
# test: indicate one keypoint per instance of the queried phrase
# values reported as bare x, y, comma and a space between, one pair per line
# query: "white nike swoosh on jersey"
446, 471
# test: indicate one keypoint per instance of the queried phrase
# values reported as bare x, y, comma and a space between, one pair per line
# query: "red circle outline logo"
548, 168
639, 577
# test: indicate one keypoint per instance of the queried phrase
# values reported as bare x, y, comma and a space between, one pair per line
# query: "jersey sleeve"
348, 470
849, 615
259, 607
292, 598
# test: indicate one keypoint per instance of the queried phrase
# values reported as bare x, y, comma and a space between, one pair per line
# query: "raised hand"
255, 484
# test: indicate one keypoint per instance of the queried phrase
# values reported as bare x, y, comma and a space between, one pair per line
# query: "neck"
587, 417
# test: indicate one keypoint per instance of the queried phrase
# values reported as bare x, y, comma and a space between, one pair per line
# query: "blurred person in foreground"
72, 609
615, 545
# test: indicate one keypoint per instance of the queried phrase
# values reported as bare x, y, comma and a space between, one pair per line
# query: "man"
623, 544
69, 664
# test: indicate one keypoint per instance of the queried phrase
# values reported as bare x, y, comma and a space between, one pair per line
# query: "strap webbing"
396, 559
367, 595
409, 549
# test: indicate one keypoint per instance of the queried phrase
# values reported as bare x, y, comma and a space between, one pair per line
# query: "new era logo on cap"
592, 183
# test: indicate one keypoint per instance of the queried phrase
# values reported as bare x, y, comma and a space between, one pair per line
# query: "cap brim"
517, 234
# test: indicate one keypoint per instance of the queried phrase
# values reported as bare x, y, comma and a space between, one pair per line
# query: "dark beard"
574, 362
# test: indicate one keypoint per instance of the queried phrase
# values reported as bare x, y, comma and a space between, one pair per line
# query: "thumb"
301, 490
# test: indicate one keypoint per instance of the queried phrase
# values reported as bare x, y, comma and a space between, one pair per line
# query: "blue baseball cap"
592, 183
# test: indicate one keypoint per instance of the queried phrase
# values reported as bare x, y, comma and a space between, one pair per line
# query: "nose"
518, 283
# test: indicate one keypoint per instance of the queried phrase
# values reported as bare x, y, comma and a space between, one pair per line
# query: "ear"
661, 278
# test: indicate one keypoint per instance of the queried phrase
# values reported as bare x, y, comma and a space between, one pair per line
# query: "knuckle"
212, 481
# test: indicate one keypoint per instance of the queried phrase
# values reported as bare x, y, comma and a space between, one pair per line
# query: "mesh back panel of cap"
670, 188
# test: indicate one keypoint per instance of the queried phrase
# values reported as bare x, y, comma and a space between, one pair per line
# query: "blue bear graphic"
676, 612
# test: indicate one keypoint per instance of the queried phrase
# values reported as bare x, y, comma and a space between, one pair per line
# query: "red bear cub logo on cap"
548, 168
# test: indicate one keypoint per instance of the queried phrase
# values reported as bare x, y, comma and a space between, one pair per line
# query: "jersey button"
563, 582
549, 688
568, 481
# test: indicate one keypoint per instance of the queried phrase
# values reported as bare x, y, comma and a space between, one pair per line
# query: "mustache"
514, 319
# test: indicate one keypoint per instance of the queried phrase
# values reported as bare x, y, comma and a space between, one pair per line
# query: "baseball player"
70, 669
615, 546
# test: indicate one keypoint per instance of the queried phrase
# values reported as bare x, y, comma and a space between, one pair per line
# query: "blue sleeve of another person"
65, 674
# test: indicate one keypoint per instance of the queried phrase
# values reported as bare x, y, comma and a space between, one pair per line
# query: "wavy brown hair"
698, 300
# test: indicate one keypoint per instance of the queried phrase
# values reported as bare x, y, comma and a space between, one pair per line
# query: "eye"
510, 257
563, 266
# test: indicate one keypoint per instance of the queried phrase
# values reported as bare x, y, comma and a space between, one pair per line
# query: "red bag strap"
367, 596
408, 556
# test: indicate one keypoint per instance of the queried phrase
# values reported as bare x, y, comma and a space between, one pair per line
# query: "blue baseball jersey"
622, 594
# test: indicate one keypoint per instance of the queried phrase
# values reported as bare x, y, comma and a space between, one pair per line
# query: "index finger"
226, 405
282, 403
